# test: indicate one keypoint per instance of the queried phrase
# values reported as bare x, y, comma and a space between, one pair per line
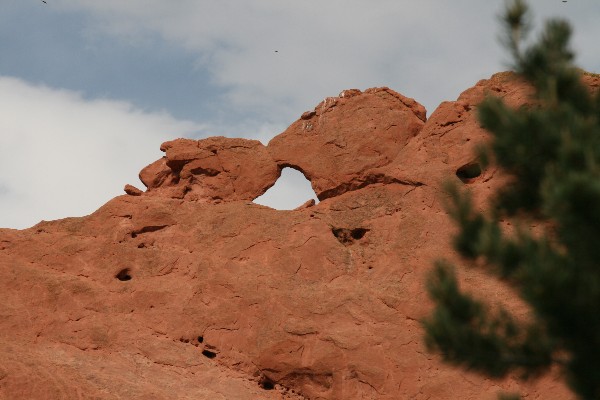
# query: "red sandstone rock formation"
189, 290
211, 170
336, 145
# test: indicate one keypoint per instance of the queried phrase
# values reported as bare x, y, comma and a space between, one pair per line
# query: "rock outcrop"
189, 290
337, 145
211, 170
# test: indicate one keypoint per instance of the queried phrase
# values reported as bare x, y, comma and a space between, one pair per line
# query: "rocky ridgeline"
189, 290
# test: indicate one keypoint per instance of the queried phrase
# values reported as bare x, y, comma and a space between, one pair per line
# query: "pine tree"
552, 152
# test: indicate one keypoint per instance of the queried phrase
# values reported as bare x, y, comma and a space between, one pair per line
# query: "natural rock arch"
290, 191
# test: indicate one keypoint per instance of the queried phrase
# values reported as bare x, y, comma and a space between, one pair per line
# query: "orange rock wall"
189, 290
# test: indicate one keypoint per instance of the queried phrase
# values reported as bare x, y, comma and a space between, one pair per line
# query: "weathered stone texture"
191, 291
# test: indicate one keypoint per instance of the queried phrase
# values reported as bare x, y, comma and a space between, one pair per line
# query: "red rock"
132, 190
447, 143
160, 297
345, 137
307, 204
211, 170
158, 174
449, 139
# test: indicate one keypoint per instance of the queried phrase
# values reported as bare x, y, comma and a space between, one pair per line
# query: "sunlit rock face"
211, 170
344, 138
190, 290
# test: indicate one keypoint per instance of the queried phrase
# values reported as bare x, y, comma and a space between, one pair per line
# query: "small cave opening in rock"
200, 339
348, 236
266, 384
468, 172
291, 190
358, 233
209, 354
123, 275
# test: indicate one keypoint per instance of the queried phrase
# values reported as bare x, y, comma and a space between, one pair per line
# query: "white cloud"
424, 49
63, 155
429, 50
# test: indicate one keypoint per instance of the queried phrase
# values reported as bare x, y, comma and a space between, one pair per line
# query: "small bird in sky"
276, 51
44, 1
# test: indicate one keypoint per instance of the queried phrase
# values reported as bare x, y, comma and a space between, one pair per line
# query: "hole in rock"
358, 233
468, 172
291, 190
123, 275
200, 339
267, 384
209, 354
348, 236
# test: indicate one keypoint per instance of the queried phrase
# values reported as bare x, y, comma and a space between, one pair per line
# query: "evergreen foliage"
552, 152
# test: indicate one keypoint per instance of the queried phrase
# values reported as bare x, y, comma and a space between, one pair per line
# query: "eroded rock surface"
345, 137
211, 170
189, 290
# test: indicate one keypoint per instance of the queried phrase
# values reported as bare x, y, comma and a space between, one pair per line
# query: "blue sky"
89, 89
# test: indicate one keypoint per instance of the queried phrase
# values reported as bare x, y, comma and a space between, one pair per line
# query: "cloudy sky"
89, 89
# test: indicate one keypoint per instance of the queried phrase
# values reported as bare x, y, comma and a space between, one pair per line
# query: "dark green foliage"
552, 150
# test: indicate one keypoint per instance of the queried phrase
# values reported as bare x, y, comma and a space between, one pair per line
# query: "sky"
89, 89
